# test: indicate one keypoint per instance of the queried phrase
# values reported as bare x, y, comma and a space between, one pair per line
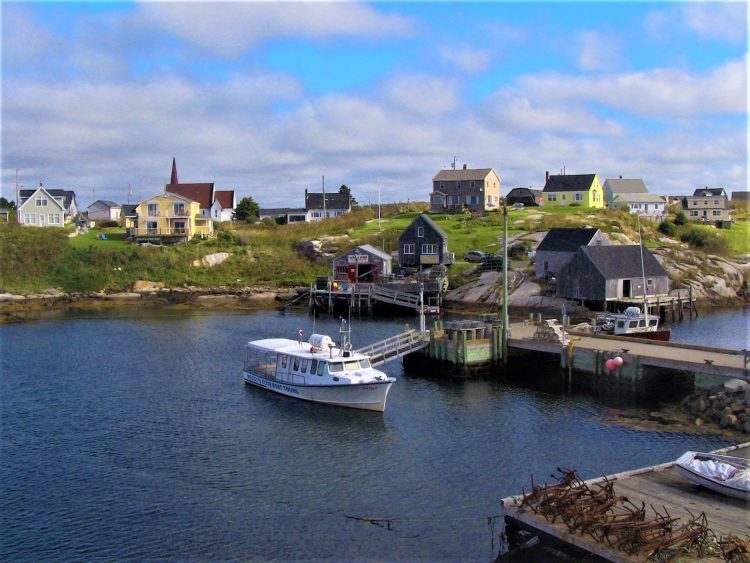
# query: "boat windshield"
364, 363
335, 367
351, 365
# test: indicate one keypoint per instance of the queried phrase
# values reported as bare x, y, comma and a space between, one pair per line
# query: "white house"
648, 206
104, 209
46, 208
223, 206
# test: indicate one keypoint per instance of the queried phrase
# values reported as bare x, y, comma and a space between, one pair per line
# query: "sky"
267, 98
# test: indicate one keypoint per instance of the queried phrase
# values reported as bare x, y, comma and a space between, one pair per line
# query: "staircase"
399, 298
395, 347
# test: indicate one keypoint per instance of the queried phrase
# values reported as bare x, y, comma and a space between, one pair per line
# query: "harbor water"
131, 436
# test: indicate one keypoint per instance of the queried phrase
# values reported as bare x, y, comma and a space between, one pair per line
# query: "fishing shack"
363, 264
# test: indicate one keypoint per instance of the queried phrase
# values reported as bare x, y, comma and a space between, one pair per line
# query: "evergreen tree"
247, 209
344, 189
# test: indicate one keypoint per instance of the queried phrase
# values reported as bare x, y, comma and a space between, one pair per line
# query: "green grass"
115, 238
738, 237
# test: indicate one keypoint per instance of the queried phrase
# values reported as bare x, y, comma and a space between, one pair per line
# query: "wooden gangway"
659, 486
395, 346
394, 297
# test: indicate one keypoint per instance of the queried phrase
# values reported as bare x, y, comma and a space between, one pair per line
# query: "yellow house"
568, 189
168, 218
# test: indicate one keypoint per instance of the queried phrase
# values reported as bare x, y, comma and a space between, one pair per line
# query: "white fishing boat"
318, 371
724, 474
633, 322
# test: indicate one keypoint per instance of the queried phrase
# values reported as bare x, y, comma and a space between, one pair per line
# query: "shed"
559, 246
527, 196
422, 244
363, 264
611, 273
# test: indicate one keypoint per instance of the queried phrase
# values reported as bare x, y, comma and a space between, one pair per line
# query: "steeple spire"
174, 180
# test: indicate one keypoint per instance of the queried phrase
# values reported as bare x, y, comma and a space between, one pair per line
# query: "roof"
432, 224
29, 193
69, 195
335, 200
566, 239
620, 186
461, 175
105, 203
225, 198
280, 211
202, 193
169, 194
293, 348
639, 198
569, 183
623, 261
128, 209
372, 250
709, 192
524, 192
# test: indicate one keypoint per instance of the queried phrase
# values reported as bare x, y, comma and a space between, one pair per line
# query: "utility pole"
379, 227
325, 214
18, 200
505, 286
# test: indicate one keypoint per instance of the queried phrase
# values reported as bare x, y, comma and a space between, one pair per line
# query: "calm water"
133, 436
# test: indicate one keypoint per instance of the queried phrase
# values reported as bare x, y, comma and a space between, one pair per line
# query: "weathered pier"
657, 487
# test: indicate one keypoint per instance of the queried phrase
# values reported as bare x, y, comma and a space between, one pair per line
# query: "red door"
353, 273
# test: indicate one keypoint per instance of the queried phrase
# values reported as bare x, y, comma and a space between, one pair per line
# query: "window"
716, 202
578, 196
335, 367
420, 232
693, 212
153, 209
295, 365
179, 209
179, 227
551, 197
151, 227
342, 270
429, 249
564, 197
321, 368
305, 365
351, 365
458, 185
54, 218
27, 218
313, 367
489, 200
364, 363
716, 212
442, 185
409, 248
317, 214
41, 201
472, 184
695, 202
284, 360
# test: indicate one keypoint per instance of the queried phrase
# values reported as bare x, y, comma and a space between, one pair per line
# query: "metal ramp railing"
400, 298
395, 347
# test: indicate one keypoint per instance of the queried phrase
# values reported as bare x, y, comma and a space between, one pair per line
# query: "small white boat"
317, 371
724, 474
633, 322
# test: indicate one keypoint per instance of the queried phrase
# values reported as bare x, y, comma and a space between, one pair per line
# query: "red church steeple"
174, 180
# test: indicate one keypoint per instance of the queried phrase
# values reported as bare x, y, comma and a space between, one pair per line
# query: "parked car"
475, 256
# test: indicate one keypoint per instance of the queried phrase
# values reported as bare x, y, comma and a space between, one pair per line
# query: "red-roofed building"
217, 204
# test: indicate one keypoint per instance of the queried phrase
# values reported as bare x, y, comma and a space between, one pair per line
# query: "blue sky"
268, 97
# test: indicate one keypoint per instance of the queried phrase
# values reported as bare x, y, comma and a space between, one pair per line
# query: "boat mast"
643, 270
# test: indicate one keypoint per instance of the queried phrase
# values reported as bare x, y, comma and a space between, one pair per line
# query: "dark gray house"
527, 196
363, 264
611, 273
423, 243
559, 246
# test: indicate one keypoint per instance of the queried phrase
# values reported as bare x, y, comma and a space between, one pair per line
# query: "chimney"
620, 176
464, 166
41, 184
546, 176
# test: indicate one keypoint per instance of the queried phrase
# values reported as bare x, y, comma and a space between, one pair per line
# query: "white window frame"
428, 248
420, 232
551, 197
152, 209
578, 196
152, 227
409, 248
41, 201
178, 207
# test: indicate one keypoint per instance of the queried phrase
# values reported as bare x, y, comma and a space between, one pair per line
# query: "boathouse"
423, 244
611, 273
363, 264
560, 245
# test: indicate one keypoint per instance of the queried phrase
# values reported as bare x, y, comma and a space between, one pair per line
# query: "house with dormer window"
708, 205
44, 207
475, 189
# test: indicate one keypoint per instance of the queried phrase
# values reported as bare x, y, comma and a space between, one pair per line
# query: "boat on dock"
317, 370
723, 474
633, 322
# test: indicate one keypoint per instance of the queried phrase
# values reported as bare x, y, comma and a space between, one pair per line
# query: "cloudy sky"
268, 97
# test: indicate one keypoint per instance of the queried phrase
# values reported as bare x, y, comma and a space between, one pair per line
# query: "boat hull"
365, 396
722, 487
661, 335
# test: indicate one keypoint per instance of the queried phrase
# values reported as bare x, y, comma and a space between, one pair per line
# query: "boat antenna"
313, 321
643, 270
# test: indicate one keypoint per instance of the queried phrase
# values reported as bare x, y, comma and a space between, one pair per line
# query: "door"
42, 219
353, 273
626, 288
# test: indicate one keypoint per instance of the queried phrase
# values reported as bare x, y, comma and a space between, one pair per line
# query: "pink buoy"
610, 364
618, 361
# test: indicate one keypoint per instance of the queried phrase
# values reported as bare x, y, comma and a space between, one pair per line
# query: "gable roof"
709, 192
225, 198
372, 250
461, 175
104, 202
170, 195
566, 239
335, 200
623, 261
203, 193
50, 196
128, 209
625, 186
569, 183
524, 192
67, 195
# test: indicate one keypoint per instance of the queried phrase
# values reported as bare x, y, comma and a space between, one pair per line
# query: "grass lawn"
738, 237
115, 238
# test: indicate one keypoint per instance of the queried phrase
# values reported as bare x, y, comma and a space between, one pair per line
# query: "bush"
108, 224
703, 237
668, 228
680, 218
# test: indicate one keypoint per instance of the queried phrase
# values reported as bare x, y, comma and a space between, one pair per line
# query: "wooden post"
690, 301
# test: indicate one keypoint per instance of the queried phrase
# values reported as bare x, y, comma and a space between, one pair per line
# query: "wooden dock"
660, 486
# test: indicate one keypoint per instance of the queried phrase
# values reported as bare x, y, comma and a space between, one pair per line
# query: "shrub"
703, 237
668, 228
680, 218
108, 224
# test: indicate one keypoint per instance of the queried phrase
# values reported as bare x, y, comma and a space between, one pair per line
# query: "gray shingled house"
559, 246
597, 274
619, 186
423, 243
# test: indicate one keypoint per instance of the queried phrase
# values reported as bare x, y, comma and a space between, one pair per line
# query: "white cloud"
23, 39
598, 51
232, 28
466, 59
723, 21
423, 94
